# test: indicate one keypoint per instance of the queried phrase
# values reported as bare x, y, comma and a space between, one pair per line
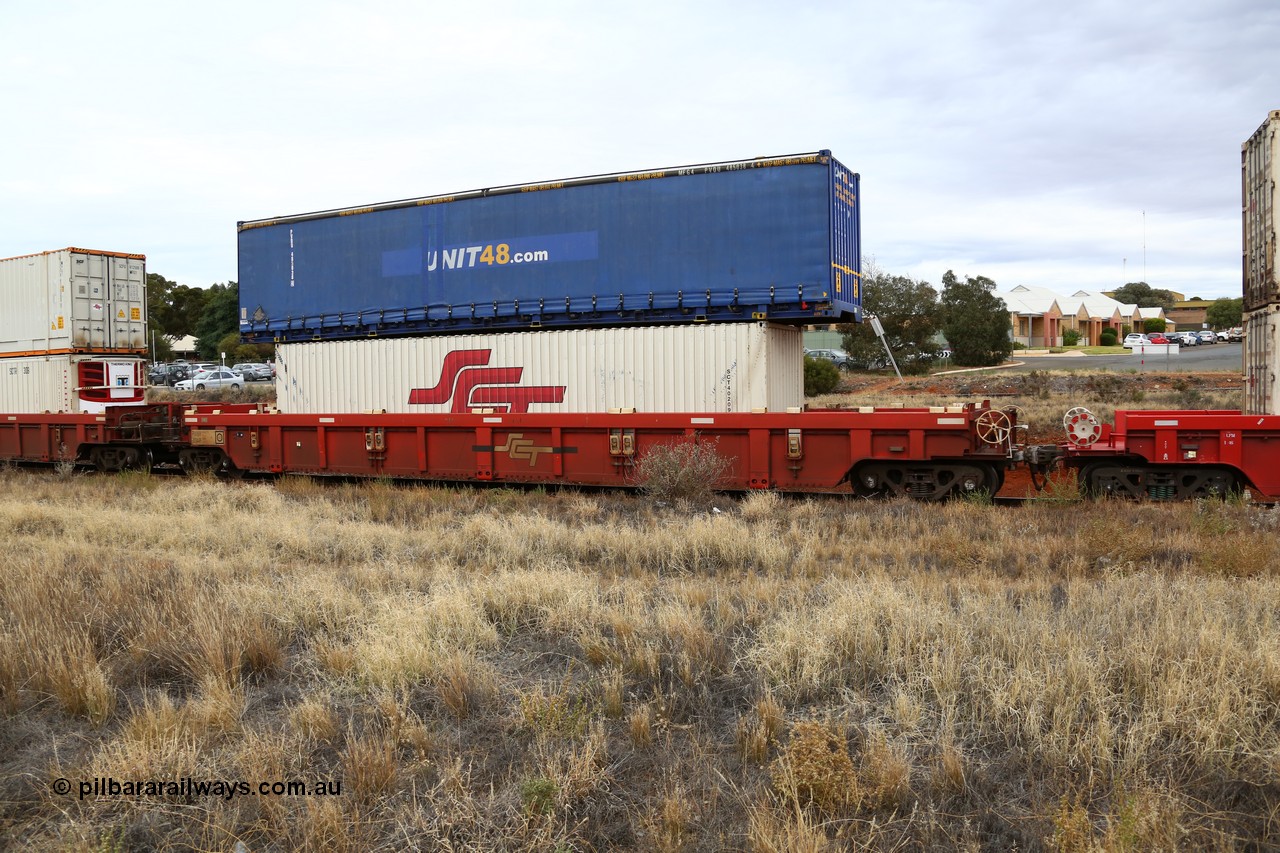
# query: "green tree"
186, 308
1144, 296
1154, 325
1225, 313
173, 309
229, 344
238, 352
161, 348
159, 289
219, 318
975, 321
253, 353
908, 312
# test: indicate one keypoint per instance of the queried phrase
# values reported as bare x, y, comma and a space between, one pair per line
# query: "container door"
88, 277
127, 305
846, 241
1262, 361
1260, 159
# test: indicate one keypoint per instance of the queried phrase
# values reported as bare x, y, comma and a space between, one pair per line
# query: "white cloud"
998, 138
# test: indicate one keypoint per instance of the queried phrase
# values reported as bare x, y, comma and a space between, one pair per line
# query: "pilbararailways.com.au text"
226, 789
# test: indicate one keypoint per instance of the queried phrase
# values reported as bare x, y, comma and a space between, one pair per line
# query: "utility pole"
879, 330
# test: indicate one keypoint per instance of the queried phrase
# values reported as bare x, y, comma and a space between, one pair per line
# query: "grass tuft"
682, 472
814, 769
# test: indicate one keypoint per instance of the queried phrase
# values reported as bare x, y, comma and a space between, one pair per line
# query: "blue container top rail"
774, 238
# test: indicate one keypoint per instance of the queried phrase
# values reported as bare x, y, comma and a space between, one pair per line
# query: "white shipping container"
1259, 159
69, 383
1262, 361
717, 367
73, 300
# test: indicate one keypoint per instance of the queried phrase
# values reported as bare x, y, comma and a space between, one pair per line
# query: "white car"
252, 370
838, 357
218, 377
1133, 339
1188, 339
1208, 337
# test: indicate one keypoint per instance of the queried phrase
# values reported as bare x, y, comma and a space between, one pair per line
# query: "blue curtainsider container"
772, 238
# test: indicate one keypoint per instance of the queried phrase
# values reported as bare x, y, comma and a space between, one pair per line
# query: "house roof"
1101, 305
1030, 299
1025, 299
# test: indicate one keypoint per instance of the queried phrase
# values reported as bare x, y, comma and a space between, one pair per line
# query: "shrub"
1189, 397
538, 795
1108, 338
820, 376
1105, 387
1071, 337
815, 768
1038, 383
682, 470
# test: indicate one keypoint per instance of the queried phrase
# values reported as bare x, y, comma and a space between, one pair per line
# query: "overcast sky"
1063, 145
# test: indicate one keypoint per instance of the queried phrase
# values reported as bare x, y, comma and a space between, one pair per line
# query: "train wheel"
1201, 482
926, 482
973, 480
1157, 482
867, 483
208, 460
201, 460
1122, 481
995, 479
111, 459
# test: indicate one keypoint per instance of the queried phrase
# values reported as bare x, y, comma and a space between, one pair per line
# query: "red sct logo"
467, 381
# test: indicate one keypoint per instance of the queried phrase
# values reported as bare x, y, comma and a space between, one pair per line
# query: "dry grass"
495, 669
252, 392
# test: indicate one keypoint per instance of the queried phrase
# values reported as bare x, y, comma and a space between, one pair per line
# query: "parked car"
1208, 337
219, 377
1234, 334
1157, 338
252, 371
838, 357
168, 374
1188, 339
1132, 339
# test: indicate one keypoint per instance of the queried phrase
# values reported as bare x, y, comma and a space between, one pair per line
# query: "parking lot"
174, 373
